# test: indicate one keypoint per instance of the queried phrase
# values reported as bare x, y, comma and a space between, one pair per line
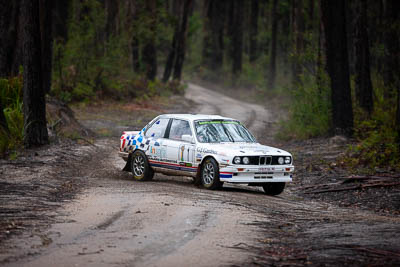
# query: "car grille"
264, 160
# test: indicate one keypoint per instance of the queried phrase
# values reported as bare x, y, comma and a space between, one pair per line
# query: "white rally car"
210, 148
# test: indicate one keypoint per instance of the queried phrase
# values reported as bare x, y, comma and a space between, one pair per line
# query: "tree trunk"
149, 52
237, 38
60, 19
298, 32
3, 121
133, 7
272, 59
10, 39
135, 54
398, 117
391, 66
35, 131
391, 44
320, 54
46, 14
334, 19
363, 77
171, 57
5, 21
172, 53
311, 7
149, 55
111, 7
350, 22
181, 40
213, 46
253, 30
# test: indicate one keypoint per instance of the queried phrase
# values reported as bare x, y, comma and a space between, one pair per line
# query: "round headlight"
236, 160
287, 160
280, 160
246, 160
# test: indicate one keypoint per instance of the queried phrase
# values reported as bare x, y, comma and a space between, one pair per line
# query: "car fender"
222, 161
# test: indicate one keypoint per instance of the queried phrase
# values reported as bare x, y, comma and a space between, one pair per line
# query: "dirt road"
210, 102
171, 222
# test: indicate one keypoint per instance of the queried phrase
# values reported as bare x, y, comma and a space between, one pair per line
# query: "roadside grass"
11, 98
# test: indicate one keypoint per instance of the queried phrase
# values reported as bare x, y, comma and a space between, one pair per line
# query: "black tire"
140, 167
209, 176
273, 189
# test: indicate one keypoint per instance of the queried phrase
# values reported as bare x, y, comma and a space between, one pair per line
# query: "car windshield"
218, 131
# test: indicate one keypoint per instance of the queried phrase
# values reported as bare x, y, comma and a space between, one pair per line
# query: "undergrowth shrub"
11, 98
376, 146
376, 136
309, 110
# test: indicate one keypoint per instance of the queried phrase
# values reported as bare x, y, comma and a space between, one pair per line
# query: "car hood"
242, 149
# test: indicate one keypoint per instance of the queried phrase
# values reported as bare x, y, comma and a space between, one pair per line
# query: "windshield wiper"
227, 133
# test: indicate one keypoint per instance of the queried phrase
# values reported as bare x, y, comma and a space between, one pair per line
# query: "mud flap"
128, 165
197, 179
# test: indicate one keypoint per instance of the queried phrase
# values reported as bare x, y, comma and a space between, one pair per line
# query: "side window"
157, 129
179, 128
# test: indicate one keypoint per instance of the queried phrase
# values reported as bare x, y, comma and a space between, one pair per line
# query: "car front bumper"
245, 174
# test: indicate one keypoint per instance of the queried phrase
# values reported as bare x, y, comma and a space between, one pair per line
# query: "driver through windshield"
218, 131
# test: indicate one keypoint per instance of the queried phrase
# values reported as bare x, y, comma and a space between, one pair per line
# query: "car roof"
193, 117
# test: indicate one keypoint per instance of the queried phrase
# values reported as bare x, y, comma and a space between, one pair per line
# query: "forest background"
334, 65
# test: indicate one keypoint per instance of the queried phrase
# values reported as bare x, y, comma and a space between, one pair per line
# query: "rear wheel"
140, 167
273, 189
210, 174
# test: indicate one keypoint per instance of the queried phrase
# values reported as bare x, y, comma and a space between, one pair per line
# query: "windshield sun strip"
217, 122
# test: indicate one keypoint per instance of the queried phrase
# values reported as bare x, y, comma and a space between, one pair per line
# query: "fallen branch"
353, 188
363, 178
317, 186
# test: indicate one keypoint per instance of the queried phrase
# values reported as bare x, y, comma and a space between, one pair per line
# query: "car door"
154, 140
180, 152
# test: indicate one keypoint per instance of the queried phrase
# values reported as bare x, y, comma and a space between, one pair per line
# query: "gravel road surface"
170, 222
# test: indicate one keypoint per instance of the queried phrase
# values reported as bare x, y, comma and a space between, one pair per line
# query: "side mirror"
188, 138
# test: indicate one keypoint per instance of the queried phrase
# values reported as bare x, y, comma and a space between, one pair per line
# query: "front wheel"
210, 174
273, 189
140, 167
